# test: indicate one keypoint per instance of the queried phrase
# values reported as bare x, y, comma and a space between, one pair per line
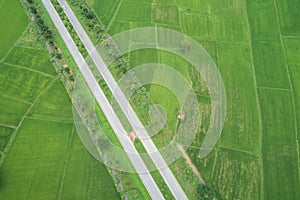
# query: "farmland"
11, 13
41, 155
47, 145
255, 45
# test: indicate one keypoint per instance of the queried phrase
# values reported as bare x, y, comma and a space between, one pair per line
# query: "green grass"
134, 12
205, 166
292, 47
13, 22
279, 149
105, 9
177, 63
42, 148
20, 83
190, 23
234, 9
31, 58
270, 70
118, 27
237, 175
281, 175
289, 15
231, 30
35, 163
267, 52
54, 105
11, 111
85, 177
5, 134
165, 15
193, 6
242, 116
262, 20
256, 157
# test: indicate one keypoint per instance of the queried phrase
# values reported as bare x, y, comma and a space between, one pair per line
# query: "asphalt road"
138, 127
114, 121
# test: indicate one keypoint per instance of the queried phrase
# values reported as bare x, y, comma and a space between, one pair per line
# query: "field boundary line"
14, 134
114, 16
8, 126
190, 163
230, 42
271, 88
32, 70
49, 120
8, 52
260, 124
291, 36
290, 83
32, 48
238, 150
19, 100
70, 143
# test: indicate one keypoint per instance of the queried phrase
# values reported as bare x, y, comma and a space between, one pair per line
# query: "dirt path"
189, 162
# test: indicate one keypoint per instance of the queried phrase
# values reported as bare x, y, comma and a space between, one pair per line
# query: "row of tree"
89, 18
41, 25
48, 35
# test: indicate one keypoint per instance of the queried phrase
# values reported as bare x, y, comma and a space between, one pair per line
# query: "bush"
205, 192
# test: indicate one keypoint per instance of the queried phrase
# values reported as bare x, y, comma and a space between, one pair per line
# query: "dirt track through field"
190, 163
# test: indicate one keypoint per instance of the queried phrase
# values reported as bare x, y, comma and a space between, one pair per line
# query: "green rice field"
256, 47
41, 155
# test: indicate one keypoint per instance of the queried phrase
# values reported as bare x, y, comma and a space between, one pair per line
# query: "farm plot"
54, 105
242, 116
85, 177
268, 56
289, 16
105, 9
231, 30
20, 83
11, 111
132, 11
237, 175
292, 47
243, 38
5, 134
165, 15
35, 163
279, 149
198, 26
280, 160
13, 22
38, 60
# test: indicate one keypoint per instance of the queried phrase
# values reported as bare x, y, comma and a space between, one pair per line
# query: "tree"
32, 9
48, 34
205, 192
59, 56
